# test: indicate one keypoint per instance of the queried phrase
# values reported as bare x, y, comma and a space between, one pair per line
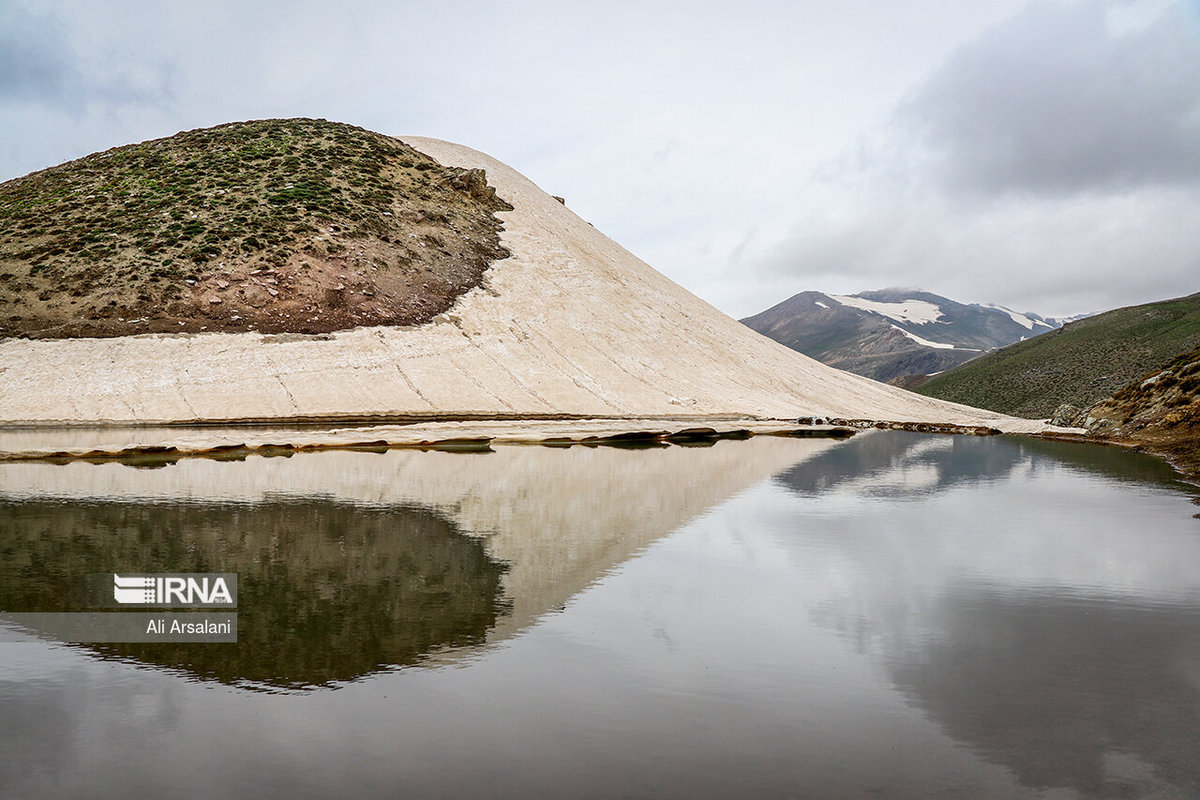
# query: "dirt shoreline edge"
169, 442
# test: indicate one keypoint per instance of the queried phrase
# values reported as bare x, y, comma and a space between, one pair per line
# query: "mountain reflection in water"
900, 464
327, 591
896, 615
351, 563
1056, 634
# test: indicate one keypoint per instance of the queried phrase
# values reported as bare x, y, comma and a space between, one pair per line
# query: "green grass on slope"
244, 226
1078, 364
161, 206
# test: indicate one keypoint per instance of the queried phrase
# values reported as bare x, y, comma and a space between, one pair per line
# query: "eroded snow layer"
928, 343
1016, 316
570, 325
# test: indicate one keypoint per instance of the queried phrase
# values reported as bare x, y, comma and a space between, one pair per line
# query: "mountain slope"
1078, 364
891, 333
279, 225
570, 324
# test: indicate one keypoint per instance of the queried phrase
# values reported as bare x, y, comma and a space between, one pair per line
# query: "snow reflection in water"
896, 614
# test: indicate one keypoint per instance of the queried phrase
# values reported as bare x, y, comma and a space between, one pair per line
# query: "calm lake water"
895, 615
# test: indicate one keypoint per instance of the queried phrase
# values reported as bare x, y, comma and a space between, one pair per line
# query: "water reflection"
328, 592
1040, 605
901, 464
350, 563
1100, 697
670, 622
1115, 463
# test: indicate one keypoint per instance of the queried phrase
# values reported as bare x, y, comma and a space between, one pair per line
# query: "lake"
893, 615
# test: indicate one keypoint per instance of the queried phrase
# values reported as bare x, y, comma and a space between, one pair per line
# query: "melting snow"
1020, 319
918, 311
928, 343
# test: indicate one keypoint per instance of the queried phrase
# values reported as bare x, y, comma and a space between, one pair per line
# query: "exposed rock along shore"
1159, 413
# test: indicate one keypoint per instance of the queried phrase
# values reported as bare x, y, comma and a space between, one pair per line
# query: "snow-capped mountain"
892, 333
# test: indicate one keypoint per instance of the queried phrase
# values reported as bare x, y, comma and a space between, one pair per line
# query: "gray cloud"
36, 63
1036, 254
69, 87
1052, 164
40, 66
1057, 101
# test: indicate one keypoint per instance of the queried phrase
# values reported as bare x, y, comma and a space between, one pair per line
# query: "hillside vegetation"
276, 225
1159, 412
1079, 364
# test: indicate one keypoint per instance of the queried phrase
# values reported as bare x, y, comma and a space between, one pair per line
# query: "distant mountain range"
893, 333
1079, 364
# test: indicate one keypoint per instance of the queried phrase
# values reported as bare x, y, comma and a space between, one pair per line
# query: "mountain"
1078, 364
553, 320
892, 333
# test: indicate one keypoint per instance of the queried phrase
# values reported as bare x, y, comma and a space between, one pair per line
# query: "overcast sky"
1042, 155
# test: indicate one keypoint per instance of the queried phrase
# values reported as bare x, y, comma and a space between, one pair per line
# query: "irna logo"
190, 589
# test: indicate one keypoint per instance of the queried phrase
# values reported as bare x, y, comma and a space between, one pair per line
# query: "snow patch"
1060, 321
926, 342
822, 305
938, 345
1020, 319
918, 311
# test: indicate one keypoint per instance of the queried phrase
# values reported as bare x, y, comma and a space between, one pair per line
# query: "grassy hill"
275, 225
1080, 363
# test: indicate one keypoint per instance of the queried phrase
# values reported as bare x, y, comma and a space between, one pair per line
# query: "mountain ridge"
887, 334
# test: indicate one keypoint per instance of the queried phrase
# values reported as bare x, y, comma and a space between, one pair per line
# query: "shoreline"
171, 442
1182, 457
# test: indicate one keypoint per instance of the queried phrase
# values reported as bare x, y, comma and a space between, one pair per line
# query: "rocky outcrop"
1068, 416
1158, 412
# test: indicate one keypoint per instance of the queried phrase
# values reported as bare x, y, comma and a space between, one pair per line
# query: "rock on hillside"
568, 325
893, 333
